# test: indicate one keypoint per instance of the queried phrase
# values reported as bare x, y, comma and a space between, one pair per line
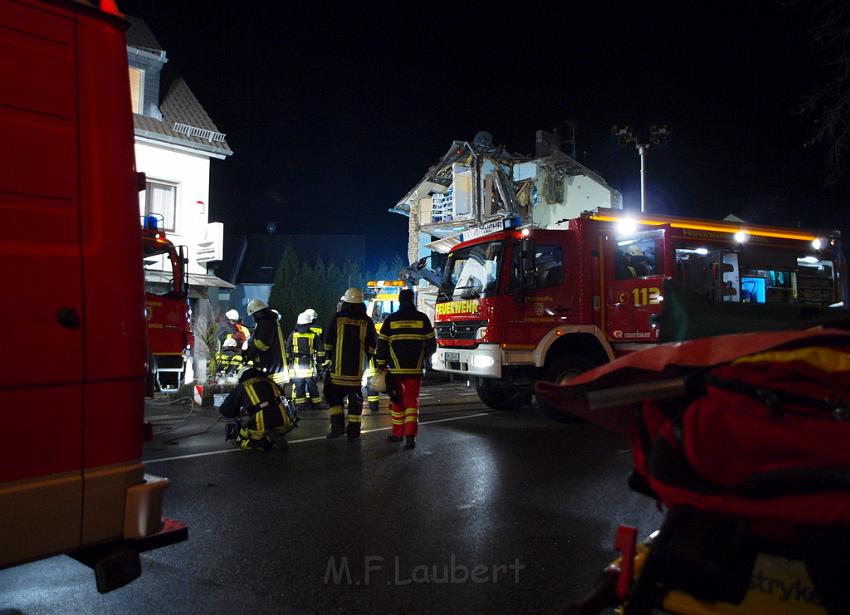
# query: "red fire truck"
166, 309
517, 306
71, 477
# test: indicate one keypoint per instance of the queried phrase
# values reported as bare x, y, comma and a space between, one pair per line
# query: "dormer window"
137, 89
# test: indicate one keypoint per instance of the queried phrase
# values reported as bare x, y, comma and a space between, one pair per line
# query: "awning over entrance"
195, 279
207, 279
445, 244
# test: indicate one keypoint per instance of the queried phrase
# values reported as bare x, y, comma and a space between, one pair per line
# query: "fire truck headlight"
742, 236
482, 360
818, 243
435, 360
481, 333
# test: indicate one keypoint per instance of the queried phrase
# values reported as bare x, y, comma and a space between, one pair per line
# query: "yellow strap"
335, 410
261, 345
252, 394
824, 359
353, 418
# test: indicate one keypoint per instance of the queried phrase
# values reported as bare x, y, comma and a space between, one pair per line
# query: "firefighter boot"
391, 438
411, 443
353, 430
337, 425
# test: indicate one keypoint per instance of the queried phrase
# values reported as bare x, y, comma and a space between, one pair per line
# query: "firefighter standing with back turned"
303, 345
405, 343
349, 342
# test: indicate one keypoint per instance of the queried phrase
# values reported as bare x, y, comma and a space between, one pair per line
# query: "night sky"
335, 110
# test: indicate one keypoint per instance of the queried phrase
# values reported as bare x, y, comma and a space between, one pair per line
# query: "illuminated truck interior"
472, 273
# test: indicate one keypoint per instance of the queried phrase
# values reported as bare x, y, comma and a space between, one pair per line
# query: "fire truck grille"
458, 330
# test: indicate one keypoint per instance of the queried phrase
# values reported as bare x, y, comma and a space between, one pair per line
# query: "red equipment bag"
745, 438
765, 438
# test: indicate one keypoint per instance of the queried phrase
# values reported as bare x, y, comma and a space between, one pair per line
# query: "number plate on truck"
452, 356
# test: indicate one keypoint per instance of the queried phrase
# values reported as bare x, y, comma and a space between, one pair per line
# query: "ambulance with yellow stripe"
521, 305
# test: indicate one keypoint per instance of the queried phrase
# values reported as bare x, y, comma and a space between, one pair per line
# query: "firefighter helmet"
353, 295
311, 313
634, 250
232, 315
304, 318
229, 343
255, 305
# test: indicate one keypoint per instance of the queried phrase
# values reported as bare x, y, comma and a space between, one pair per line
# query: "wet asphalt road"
493, 512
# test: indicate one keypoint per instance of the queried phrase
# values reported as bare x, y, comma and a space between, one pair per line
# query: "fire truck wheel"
501, 395
559, 370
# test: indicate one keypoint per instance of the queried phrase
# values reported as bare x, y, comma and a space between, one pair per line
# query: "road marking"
236, 450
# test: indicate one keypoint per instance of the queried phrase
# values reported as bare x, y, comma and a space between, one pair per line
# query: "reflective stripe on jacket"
349, 340
406, 340
301, 345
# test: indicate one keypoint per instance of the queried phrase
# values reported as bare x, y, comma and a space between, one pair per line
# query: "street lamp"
657, 136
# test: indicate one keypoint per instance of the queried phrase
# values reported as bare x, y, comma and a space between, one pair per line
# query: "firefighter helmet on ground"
232, 315
255, 305
304, 319
353, 295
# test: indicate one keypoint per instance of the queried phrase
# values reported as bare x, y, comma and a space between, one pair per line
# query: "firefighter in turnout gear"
302, 346
320, 355
405, 343
266, 348
258, 399
350, 340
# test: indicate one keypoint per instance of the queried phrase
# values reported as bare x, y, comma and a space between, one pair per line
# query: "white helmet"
229, 343
255, 305
304, 318
353, 295
232, 315
379, 381
311, 313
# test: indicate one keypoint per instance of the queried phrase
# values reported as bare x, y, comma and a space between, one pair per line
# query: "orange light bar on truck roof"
717, 228
373, 283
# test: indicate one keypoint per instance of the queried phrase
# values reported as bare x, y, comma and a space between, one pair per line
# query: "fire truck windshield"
472, 272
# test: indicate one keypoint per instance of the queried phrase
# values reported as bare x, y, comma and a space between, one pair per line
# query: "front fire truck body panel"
599, 306
73, 253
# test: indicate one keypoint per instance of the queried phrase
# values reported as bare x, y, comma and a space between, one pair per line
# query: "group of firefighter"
392, 360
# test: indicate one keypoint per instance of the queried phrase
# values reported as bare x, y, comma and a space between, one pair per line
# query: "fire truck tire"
559, 370
501, 395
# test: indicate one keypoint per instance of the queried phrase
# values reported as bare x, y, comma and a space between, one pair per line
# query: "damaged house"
478, 188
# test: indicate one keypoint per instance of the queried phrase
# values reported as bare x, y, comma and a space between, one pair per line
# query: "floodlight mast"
657, 135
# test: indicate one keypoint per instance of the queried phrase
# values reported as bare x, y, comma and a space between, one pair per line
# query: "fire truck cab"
381, 298
517, 306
